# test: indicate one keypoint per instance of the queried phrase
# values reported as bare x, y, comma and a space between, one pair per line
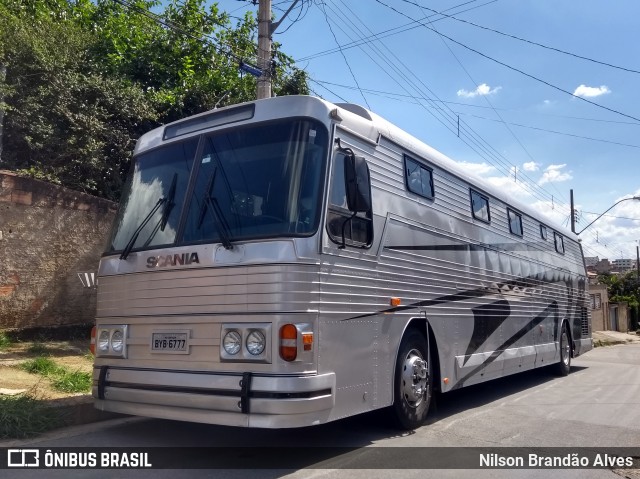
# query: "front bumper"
234, 399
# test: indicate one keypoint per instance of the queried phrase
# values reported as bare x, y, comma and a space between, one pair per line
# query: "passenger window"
559, 242
480, 207
543, 232
419, 178
515, 222
358, 228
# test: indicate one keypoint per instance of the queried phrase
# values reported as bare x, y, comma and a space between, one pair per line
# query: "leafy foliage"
85, 79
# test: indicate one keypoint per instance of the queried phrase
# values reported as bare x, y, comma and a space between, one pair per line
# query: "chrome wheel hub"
566, 348
415, 377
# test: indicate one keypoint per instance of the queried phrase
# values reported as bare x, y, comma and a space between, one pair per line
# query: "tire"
564, 366
413, 381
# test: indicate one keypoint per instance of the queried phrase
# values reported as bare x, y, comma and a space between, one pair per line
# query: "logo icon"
23, 458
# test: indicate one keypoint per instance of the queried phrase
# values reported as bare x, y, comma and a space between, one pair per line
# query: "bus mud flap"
102, 380
245, 392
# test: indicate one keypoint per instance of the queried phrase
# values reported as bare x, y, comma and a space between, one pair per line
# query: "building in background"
624, 265
606, 316
591, 261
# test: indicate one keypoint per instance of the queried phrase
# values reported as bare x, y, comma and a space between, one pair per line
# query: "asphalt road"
597, 405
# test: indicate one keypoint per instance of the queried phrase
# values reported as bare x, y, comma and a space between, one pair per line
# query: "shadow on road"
340, 444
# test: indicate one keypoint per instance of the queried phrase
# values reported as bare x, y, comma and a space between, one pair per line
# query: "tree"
187, 57
85, 79
64, 122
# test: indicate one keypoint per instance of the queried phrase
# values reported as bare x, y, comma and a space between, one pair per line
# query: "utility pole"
264, 49
265, 30
638, 284
638, 268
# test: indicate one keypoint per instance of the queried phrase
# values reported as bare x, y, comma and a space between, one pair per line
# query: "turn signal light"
288, 342
307, 341
395, 301
92, 345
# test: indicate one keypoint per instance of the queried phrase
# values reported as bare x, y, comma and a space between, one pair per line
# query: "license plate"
174, 342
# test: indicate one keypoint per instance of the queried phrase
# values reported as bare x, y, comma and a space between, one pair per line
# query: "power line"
485, 98
564, 52
390, 32
518, 70
173, 26
449, 119
610, 216
601, 140
322, 4
397, 96
332, 92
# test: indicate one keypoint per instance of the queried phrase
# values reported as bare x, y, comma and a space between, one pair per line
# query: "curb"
78, 410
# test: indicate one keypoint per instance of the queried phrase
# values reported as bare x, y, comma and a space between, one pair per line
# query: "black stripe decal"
498, 247
551, 309
486, 320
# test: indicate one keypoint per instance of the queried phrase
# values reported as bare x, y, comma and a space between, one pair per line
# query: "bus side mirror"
357, 183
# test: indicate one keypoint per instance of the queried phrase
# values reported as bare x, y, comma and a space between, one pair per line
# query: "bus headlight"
245, 342
112, 341
232, 343
117, 341
103, 341
256, 342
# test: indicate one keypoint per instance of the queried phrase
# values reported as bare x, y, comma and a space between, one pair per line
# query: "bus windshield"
259, 181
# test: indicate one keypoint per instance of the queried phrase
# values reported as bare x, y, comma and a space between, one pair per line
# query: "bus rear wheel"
564, 366
413, 381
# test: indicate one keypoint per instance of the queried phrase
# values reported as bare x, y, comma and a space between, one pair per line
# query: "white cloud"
614, 234
555, 214
590, 91
482, 90
507, 185
554, 173
531, 166
479, 169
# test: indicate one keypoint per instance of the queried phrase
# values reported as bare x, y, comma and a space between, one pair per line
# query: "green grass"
24, 416
62, 378
42, 365
5, 341
73, 382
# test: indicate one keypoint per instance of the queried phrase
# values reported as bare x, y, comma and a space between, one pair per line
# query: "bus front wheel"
564, 366
413, 381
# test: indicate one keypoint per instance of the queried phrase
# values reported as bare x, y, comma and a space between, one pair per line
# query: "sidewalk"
609, 338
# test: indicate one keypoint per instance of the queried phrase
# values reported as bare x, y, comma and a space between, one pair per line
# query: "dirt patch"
72, 355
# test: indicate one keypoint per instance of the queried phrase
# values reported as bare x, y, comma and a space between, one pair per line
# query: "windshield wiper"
166, 211
162, 223
210, 203
127, 249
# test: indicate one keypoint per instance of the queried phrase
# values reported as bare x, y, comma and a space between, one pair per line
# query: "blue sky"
524, 135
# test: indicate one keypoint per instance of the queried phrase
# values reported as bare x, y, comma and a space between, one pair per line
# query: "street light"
573, 218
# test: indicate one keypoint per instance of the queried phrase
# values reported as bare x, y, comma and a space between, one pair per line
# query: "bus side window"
358, 228
480, 207
559, 242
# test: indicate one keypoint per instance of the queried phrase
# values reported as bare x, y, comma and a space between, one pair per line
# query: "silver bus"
289, 262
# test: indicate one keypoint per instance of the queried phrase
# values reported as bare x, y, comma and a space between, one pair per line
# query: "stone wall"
48, 234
